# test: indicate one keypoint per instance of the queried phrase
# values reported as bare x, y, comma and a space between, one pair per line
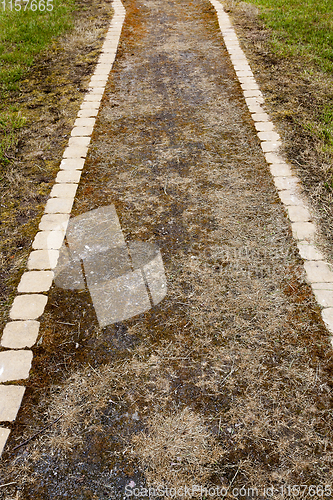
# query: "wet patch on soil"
237, 348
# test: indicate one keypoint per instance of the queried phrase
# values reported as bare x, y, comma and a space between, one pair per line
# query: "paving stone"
4, 434
59, 205
255, 108
269, 136
242, 67
254, 101
270, 147
54, 222
103, 70
304, 231
28, 306
274, 158
72, 163
64, 190
90, 105
298, 214
92, 98
86, 113
318, 271
35, 282
327, 315
97, 91
68, 176
252, 93
43, 259
265, 126
84, 122
97, 78
79, 141
290, 197
75, 152
281, 170
249, 85
260, 117
48, 240
15, 365
286, 183
241, 73
324, 297
322, 286
10, 401
309, 252
81, 131
20, 334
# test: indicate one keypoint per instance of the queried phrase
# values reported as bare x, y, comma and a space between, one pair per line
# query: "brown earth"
228, 380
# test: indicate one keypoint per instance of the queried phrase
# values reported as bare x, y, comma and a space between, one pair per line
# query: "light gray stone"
20, 334
248, 83
81, 131
304, 231
242, 73
286, 183
274, 158
10, 401
322, 286
298, 214
290, 197
28, 306
72, 163
260, 117
265, 126
91, 105
86, 113
68, 176
309, 252
327, 315
15, 365
63, 190
254, 100
4, 434
252, 93
75, 152
92, 98
324, 297
269, 147
48, 240
155, 278
35, 282
79, 141
59, 205
280, 170
43, 259
318, 271
54, 222
84, 122
269, 136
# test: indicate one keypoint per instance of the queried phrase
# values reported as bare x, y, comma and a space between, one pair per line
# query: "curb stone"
318, 272
29, 304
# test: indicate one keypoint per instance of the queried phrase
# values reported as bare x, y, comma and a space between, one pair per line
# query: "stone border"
22, 331
288, 185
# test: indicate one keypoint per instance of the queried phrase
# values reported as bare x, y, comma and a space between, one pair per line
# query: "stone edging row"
22, 331
288, 185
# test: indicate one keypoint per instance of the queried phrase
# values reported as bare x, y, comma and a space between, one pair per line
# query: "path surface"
228, 375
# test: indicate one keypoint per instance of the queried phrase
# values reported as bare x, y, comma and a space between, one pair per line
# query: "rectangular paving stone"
286, 183
309, 252
28, 306
298, 214
10, 401
35, 282
290, 197
252, 93
270, 147
86, 113
54, 222
20, 334
265, 126
327, 315
75, 152
281, 170
249, 84
92, 98
63, 190
304, 231
322, 286
81, 131
15, 365
68, 176
79, 141
324, 297
42, 259
90, 105
84, 122
261, 117
269, 136
48, 240
59, 205
318, 270
4, 434
274, 158
72, 163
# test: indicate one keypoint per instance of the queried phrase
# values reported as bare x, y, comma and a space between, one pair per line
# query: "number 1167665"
34, 5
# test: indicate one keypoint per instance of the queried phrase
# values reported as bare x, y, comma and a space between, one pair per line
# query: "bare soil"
228, 380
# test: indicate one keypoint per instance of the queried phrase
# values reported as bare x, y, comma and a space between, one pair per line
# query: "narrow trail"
227, 378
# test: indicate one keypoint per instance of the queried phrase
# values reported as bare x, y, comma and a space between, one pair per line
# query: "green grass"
24, 34
301, 27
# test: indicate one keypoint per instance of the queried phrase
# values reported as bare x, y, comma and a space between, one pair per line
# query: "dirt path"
225, 381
